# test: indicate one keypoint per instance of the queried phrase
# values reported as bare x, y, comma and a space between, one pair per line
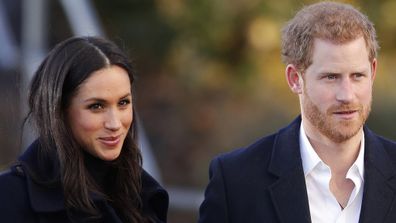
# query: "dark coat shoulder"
15, 203
24, 199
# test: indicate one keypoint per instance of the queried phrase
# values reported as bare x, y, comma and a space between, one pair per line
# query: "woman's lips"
110, 140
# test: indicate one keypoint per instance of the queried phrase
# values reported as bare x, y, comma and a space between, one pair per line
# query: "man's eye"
331, 77
358, 75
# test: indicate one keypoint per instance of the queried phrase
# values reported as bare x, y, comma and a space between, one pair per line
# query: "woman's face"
100, 113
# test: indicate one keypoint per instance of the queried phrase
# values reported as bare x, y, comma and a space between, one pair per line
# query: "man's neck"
339, 156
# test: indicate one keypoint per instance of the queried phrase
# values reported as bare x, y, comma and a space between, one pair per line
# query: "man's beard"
335, 129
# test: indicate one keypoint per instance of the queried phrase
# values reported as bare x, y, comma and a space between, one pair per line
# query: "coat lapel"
380, 185
43, 180
288, 193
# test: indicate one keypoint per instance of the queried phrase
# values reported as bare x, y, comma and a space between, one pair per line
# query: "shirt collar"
310, 158
308, 155
359, 162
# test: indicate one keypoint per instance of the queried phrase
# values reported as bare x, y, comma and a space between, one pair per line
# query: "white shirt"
323, 206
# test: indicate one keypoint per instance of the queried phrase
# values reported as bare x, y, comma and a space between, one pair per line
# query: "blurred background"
210, 77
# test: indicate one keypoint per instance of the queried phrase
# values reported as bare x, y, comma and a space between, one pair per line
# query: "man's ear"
294, 79
373, 69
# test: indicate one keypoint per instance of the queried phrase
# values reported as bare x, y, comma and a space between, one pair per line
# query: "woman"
85, 165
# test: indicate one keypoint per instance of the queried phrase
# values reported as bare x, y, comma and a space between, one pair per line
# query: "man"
326, 166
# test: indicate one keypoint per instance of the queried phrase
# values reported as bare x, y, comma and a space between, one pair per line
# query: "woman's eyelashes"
124, 102
95, 106
98, 106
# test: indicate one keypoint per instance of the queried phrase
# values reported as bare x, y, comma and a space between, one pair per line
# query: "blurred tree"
210, 76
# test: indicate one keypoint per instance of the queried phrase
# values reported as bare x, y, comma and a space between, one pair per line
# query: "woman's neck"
102, 172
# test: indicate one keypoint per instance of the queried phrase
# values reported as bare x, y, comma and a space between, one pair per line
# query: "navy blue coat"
25, 201
265, 182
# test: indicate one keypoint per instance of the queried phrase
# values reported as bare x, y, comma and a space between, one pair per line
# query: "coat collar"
377, 156
43, 179
286, 150
289, 191
154, 198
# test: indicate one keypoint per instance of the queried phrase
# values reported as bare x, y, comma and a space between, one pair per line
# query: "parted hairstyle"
54, 84
336, 22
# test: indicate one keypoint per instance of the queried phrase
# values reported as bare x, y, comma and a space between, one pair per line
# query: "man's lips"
345, 112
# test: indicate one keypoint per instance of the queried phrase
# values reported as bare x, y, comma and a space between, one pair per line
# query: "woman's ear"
294, 79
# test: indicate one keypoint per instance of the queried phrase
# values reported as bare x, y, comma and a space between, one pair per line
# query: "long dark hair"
54, 84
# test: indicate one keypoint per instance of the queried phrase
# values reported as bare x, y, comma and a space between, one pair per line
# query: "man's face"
337, 89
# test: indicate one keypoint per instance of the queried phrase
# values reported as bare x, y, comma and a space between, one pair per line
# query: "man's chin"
344, 132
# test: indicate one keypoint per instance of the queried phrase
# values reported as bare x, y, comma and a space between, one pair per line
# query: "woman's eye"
124, 102
95, 106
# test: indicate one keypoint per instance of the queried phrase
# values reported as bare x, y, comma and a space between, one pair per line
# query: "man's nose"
345, 91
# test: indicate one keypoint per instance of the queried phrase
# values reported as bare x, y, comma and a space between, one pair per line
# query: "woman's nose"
112, 121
